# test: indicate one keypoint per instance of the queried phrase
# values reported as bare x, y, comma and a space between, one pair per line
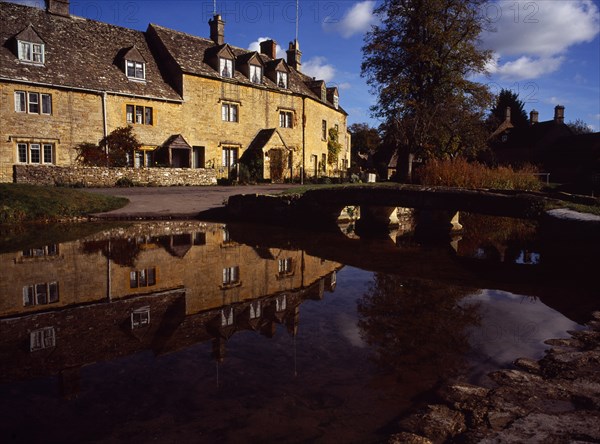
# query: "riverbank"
29, 203
555, 399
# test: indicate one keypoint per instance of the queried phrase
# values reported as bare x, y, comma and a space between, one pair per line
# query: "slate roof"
79, 53
263, 137
189, 53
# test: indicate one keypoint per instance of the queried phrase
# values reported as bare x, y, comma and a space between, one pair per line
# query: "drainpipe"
105, 124
303, 169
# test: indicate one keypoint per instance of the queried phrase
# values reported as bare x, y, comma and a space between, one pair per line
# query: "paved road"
177, 202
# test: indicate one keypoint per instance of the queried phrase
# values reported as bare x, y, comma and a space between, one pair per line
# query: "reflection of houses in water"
69, 305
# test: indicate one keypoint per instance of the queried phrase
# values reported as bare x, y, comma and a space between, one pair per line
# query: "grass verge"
30, 203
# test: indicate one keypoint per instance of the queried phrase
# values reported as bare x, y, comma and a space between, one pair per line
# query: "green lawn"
31, 203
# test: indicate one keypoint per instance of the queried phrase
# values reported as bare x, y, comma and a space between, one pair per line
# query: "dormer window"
282, 79
136, 70
336, 101
31, 52
225, 67
256, 74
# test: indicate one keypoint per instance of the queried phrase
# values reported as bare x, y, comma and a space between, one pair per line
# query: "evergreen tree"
505, 99
419, 61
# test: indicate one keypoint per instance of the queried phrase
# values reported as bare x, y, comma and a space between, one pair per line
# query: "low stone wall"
108, 177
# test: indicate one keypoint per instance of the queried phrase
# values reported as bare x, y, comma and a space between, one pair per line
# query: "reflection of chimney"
294, 55
507, 114
217, 29
58, 7
533, 117
559, 114
269, 48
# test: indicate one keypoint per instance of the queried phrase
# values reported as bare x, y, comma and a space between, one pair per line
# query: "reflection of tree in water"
417, 327
122, 251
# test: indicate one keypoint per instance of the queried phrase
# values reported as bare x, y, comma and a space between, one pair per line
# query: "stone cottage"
194, 103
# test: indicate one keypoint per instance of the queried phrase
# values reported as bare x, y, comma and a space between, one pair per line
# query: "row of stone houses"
192, 102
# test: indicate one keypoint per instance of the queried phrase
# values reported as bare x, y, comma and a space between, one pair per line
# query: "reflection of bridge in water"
72, 304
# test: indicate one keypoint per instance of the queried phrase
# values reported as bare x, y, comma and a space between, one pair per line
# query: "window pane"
139, 70
35, 153
142, 278
130, 69
129, 112
234, 113
22, 152
53, 292
25, 51
226, 67
149, 120
46, 104
28, 298
133, 283
41, 294
139, 114
151, 276
47, 153
224, 112
34, 103
20, 105
38, 53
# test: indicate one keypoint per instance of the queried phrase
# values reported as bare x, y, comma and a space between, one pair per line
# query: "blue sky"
548, 51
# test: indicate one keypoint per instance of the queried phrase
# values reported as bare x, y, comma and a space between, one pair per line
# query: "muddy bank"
553, 400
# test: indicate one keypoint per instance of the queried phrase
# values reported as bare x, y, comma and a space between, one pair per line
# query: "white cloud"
536, 35
524, 67
255, 46
556, 101
357, 20
344, 86
318, 68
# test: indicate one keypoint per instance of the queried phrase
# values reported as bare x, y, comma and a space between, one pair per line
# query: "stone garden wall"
108, 177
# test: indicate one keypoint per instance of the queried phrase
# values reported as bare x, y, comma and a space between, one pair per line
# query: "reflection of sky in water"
512, 326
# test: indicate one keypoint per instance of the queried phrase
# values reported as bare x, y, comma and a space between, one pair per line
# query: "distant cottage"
194, 103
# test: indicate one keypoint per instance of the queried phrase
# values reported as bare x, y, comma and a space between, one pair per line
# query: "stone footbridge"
436, 208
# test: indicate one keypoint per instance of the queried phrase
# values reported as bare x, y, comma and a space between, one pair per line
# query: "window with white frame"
45, 251
282, 79
256, 74
255, 310
286, 119
140, 115
225, 67
35, 153
285, 266
229, 112
231, 275
281, 303
136, 70
142, 278
227, 316
31, 52
42, 338
40, 294
140, 318
33, 102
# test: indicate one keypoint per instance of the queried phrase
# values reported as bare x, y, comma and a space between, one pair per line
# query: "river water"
202, 332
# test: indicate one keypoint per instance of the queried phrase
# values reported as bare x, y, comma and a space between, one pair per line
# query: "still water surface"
211, 333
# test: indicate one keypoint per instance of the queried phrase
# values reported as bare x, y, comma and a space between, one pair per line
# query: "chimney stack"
507, 114
294, 55
217, 29
269, 48
58, 7
533, 117
559, 114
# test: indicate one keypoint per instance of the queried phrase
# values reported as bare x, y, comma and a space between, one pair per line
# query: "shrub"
124, 182
460, 173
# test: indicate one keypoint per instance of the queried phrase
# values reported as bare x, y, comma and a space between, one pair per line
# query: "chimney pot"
559, 114
58, 7
269, 48
507, 114
217, 29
